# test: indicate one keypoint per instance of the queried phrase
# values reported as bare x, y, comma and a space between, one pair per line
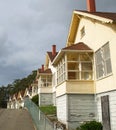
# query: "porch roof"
51, 56
79, 47
47, 71
108, 17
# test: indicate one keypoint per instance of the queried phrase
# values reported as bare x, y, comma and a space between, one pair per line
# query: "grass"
48, 110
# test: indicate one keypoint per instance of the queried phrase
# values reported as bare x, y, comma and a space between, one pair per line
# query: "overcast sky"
28, 28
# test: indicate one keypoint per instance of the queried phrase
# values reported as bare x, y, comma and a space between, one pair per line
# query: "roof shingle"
78, 46
108, 15
45, 71
51, 56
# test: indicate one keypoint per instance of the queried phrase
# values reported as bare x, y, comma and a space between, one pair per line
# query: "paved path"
15, 120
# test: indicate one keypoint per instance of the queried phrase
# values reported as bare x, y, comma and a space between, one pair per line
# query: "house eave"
60, 54
103, 20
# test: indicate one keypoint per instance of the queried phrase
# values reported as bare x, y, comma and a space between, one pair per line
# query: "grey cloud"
28, 28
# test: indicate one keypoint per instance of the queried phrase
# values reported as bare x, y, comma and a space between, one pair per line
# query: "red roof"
108, 15
78, 46
45, 71
51, 56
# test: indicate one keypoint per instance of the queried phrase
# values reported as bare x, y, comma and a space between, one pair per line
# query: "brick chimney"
53, 50
42, 68
91, 7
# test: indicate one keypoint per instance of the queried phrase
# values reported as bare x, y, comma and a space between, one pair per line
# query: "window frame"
105, 56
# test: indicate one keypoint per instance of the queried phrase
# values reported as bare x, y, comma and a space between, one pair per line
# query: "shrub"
92, 125
35, 99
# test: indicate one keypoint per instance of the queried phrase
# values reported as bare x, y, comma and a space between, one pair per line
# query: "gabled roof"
47, 71
22, 93
15, 96
102, 17
108, 17
78, 46
51, 56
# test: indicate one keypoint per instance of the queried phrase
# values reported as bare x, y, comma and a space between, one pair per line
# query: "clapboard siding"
112, 107
45, 99
54, 99
61, 103
80, 108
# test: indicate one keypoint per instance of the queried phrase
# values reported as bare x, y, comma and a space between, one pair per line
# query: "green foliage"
22, 84
92, 125
15, 87
35, 99
48, 110
3, 96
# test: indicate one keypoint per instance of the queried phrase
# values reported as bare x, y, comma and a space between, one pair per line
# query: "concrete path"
15, 120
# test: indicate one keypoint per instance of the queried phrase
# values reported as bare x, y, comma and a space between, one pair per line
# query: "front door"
105, 112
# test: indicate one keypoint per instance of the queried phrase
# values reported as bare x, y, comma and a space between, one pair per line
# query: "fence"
40, 120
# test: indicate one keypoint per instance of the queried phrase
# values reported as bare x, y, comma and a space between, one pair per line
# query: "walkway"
15, 120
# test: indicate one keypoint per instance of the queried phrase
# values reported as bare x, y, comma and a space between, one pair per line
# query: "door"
105, 112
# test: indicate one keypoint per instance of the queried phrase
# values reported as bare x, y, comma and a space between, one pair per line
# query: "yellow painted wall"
97, 34
61, 89
81, 87
75, 87
45, 90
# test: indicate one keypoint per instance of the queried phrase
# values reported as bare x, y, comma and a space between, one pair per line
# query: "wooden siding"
61, 103
81, 108
75, 87
112, 106
54, 99
45, 99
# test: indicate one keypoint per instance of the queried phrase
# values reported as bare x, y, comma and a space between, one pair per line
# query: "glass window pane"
73, 57
73, 66
108, 66
98, 57
106, 51
100, 70
86, 76
73, 75
84, 57
43, 80
86, 66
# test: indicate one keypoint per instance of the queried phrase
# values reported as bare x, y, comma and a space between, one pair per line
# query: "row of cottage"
16, 101
80, 79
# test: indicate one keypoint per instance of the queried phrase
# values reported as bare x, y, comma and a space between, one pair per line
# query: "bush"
92, 125
35, 99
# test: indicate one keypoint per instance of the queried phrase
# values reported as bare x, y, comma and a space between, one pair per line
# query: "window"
46, 80
61, 75
75, 66
82, 31
103, 61
79, 66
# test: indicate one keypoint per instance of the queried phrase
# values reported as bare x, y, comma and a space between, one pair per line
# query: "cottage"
45, 86
75, 85
98, 31
12, 102
34, 88
20, 99
48, 64
28, 92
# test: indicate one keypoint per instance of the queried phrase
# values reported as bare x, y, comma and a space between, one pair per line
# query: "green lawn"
48, 110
